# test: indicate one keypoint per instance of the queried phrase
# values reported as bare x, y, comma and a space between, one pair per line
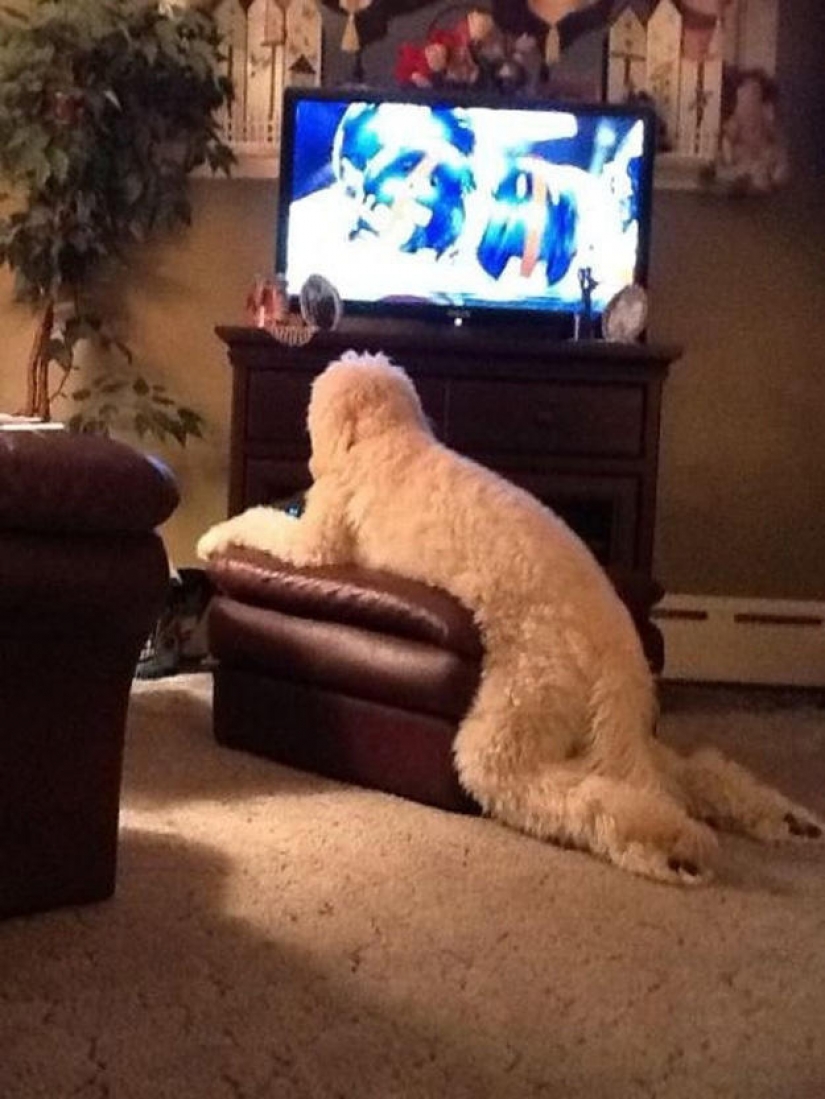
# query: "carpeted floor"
276, 935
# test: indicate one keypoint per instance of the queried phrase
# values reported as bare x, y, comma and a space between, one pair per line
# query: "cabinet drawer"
602, 510
268, 481
277, 408
547, 418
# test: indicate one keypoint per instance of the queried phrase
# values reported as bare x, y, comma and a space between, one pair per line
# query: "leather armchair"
83, 577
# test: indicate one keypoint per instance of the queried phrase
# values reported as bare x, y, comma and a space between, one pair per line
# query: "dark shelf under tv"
574, 422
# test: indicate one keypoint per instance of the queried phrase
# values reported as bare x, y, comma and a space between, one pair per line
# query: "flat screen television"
462, 208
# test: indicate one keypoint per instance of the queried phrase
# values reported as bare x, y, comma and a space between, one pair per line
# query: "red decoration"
411, 66
472, 52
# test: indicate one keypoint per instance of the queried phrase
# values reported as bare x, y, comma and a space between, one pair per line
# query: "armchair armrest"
59, 482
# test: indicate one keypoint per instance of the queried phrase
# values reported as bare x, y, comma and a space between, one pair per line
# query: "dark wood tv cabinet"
575, 423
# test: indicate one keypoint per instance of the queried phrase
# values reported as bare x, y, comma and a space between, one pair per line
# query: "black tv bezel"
559, 322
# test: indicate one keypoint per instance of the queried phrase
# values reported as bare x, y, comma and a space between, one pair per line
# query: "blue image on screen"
464, 205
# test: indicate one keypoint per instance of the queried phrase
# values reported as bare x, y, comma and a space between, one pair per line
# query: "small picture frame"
320, 304
625, 315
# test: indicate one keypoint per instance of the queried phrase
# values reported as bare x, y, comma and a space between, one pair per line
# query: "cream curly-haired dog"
559, 741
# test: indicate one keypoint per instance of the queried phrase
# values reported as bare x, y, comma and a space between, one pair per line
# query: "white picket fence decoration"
275, 43
648, 56
271, 44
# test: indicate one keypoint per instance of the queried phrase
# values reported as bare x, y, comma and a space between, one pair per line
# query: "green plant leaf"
60, 164
105, 108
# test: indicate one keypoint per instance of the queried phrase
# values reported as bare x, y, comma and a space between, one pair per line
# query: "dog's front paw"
261, 528
215, 541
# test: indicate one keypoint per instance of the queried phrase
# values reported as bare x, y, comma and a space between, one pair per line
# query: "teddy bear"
752, 155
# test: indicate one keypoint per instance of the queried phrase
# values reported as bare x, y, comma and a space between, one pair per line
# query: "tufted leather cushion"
59, 482
349, 595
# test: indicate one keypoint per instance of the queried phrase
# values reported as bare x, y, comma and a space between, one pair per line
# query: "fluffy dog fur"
559, 741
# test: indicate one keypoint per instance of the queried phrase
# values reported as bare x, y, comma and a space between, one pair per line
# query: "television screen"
453, 205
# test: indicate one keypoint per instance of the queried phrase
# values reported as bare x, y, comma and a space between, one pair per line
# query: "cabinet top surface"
445, 342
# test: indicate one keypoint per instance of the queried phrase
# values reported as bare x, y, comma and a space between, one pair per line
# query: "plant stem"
37, 373
61, 385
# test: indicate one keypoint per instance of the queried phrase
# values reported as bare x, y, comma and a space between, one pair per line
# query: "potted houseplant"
106, 107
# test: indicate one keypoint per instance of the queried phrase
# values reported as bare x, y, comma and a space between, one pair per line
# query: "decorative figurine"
584, 329
320, 303
256, 303
279, 300
753, 158
267, 302
625, 315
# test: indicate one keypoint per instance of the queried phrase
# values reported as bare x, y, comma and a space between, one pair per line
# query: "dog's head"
357, 398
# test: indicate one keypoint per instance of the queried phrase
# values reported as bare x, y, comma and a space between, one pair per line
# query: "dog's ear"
357, 398
332, 422
346, 431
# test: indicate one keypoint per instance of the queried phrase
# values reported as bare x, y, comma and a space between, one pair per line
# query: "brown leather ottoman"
355, 674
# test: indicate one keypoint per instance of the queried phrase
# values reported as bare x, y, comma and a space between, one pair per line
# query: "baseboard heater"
723, 639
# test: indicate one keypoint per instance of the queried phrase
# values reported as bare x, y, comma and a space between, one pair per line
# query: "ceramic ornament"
625, 315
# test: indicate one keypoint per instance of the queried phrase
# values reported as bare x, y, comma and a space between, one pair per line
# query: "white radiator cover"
722, 639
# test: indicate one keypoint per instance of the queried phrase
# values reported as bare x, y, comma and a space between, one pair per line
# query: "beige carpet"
277, 935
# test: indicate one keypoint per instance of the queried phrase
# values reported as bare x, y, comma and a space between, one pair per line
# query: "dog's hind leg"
729, 797
565, 765
632, 821
639, 830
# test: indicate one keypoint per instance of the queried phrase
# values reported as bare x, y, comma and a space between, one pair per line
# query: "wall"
741, 288
741, 285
